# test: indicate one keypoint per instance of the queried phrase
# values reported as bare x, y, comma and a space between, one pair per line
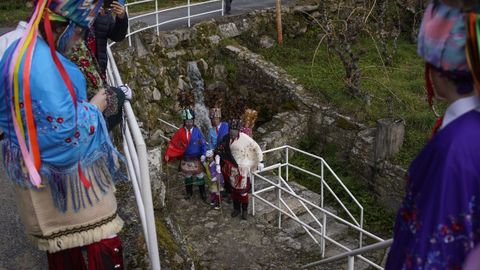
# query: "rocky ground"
218, 241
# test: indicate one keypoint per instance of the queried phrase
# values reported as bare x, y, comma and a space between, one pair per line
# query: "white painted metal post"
286, 161
156, 17
351, 263
223, 7
188, 8
361, 226
253, 194
128, 28
279, 197
321, 184
324, 219
145, 188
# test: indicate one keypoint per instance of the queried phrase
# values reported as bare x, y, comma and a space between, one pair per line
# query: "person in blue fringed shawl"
438, 223
188, 144
218, 129
56, 148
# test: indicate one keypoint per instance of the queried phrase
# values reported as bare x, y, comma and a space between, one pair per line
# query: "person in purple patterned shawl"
438, 223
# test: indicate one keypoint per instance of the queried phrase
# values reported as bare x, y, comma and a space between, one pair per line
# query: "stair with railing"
338, 231
324, 230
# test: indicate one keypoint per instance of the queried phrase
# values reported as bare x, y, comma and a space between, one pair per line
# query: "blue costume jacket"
214, 138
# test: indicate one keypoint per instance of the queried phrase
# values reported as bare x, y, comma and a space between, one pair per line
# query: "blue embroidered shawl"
63, 140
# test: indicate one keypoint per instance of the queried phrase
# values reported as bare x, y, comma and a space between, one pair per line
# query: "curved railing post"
138, 161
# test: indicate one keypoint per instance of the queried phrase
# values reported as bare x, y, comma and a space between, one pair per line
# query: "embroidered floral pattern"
459, 233
48, 121
86, 62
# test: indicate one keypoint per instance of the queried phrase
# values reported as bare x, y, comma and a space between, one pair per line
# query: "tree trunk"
278, 8
389, 138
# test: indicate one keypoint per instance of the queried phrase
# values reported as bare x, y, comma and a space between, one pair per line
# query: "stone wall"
156, 69
354, 141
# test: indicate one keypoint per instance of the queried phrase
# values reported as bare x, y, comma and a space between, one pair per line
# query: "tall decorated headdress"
214, 100
449, 42
187, 101
77, 14
249, 118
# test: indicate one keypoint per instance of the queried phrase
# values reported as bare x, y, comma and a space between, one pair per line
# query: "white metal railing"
351, 255
137, 163
189, 16
282, 187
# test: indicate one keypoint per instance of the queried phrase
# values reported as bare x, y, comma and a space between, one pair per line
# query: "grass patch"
395, 91
376, 219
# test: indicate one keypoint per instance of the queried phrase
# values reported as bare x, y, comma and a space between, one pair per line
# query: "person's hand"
214, 179
202, 158
100, 100
217, 159
260, 166
167, 158
118, 9
127, 91
218, 169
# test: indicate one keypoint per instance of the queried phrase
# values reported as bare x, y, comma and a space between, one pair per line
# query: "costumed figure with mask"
438, 223
189, 146
218, 130
214, 178
239, 155
56, 148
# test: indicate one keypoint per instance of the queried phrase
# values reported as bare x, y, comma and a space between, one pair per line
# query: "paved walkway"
218, 241
16, 252
238, 7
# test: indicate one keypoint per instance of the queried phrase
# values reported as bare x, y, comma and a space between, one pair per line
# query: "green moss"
345, 124
165, 239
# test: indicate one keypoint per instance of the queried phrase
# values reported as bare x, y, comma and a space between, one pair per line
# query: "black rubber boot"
236, 209
203, 195
188, 192
244, 211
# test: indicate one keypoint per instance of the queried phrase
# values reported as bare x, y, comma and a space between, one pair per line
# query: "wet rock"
266, 42
307, 9
228, 30
215, 39
140, 48
219, 72
168, 41
176, 54
183, 34
156, 95
203, 65
156, 137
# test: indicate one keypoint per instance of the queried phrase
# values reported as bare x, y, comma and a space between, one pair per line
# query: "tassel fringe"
65, 182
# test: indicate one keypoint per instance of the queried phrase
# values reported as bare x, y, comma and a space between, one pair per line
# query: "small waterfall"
201, 111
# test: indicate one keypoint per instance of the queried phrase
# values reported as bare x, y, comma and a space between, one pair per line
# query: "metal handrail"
283, 186
137, 164
323, 210
305, 225
157, 12
384, 244
324, 163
